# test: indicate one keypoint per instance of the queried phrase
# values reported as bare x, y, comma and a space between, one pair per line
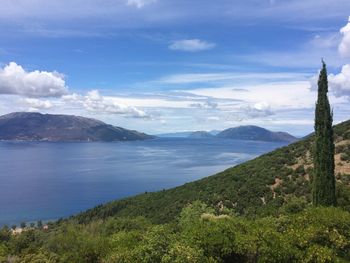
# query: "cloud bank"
16, 80
344, 47
36, 104
204, 105
93, 101
258, 110
340, 83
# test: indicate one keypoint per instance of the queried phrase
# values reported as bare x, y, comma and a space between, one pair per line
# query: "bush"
345, 157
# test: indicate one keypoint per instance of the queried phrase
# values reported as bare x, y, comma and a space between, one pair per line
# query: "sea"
51, 180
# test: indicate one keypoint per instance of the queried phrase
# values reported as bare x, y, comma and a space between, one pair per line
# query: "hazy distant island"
33, 126
249, 133
255, 133
200, 134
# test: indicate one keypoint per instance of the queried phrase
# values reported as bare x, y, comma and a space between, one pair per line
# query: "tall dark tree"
323, 178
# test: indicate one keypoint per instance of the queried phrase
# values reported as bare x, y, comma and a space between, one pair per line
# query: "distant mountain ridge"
249, 132
33, 126
255, 133
201, 134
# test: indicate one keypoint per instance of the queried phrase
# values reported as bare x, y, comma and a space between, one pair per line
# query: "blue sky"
174, 65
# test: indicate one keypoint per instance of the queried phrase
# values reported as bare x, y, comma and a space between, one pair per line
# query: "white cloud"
194, 78
199, 78
344, 47
95, 102
258, 110
15, 80
140, 3
213, 118
230, 77
262, 106
191, 45
204, 105
340, 83
153, 101
278, 95
324, 41
36, 104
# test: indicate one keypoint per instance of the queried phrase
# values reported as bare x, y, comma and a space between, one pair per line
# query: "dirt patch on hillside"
278, 182
341, 166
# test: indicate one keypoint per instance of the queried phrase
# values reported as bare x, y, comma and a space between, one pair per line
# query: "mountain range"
250, 133
33, 126
255, 133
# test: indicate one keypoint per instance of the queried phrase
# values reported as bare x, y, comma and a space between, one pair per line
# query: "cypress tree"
323, 178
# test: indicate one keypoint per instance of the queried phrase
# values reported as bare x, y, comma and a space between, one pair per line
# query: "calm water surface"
40, 180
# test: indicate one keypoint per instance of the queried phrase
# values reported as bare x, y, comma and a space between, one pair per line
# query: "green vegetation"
324, 179
198, 234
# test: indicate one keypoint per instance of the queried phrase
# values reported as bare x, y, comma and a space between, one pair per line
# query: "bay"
46, 181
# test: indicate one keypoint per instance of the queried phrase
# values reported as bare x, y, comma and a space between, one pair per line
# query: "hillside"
31, 126
256, 187
200, 134
256, 133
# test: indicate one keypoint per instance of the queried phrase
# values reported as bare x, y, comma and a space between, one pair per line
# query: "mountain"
32, 126
255, 133
257, 187
200, 134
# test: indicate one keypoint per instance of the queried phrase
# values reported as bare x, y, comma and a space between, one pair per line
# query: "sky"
162, 66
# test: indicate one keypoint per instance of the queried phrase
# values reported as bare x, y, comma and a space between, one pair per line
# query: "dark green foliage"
39, 224
199, 235
25, 243
5, 233
345, 157
76, 244
324, 179
294, 205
